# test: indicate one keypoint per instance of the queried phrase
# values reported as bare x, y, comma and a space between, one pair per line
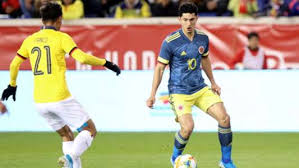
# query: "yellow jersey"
46, 50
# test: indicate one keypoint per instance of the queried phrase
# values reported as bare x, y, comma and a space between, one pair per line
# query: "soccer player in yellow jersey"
184, 50
46, 51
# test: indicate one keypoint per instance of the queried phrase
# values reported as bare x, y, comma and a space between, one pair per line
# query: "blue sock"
225, 136
179, 145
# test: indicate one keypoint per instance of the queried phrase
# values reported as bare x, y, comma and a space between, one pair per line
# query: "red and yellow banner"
136, 47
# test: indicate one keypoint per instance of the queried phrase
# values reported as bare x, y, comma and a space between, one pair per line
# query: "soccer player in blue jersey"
184, 50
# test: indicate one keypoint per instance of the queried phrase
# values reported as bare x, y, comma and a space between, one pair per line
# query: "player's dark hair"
188, 7
50, 11
253, 34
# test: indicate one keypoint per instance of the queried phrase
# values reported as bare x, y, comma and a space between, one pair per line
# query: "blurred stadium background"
263, 103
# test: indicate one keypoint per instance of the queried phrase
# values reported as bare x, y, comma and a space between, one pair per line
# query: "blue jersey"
184, 58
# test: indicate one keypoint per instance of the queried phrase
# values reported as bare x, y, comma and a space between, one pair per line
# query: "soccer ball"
185, 161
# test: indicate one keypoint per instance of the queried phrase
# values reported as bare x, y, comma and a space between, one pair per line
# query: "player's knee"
93, 132
224, 120
92, 129
71, 136
69, 133
66, 134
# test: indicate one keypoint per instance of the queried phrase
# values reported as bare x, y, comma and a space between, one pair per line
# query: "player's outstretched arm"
158, 74
85, 58
207, 67
12, 87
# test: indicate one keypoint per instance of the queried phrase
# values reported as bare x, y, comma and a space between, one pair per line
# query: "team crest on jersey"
201, 49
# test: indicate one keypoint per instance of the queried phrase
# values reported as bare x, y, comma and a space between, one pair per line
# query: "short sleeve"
206, 52
165, 53
23, 51
67, 43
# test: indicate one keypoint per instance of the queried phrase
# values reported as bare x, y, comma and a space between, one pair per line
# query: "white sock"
81, 143
67, 148
77, 163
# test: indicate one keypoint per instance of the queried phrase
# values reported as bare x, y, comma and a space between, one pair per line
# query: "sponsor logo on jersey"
183, 53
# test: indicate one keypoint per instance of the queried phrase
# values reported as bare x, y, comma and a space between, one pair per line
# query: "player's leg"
84, 139
225, 135
67, 137
218, 112
75, 116
212, 104
75, 148
67, 146
181, 105
182, 136
58, 124
80, 145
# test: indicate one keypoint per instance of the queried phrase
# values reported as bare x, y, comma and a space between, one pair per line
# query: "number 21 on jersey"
38, 50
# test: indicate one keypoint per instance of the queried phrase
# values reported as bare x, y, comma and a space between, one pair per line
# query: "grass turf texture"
151, 150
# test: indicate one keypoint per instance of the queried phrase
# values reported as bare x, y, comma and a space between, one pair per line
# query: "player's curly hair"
50, 11
188, 7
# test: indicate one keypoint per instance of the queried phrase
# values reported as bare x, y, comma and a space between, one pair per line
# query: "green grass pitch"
150, 150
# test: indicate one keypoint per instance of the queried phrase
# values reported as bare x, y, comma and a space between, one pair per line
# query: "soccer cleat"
227, 165
171, 161
65, 161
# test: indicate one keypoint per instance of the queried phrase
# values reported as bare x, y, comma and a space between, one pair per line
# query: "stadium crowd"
75, 9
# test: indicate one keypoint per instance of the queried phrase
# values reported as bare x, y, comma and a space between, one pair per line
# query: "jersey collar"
48, 27
185, 37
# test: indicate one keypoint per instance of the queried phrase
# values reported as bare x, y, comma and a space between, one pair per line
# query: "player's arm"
207, 67
22, 55
158, 74
163, 61
70, 47
3, 108
85, 58
14, 70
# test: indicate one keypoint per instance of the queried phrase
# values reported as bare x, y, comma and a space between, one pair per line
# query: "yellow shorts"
203, 99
